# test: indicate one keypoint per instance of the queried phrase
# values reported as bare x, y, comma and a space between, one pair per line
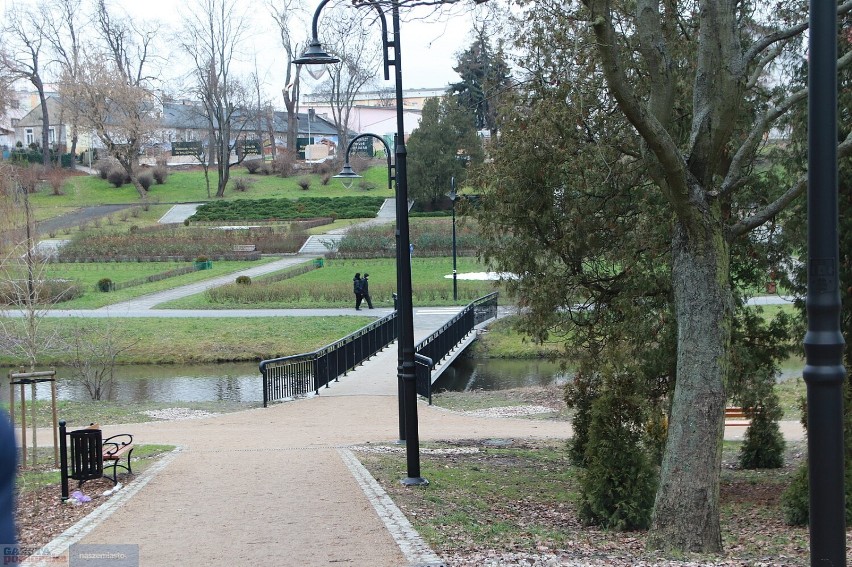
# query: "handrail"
440, 343
297, 375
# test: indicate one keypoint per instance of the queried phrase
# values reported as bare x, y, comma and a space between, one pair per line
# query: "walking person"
365, 290
357, 289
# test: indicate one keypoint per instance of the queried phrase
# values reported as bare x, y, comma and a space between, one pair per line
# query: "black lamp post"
824, 372
453, 196
405, 315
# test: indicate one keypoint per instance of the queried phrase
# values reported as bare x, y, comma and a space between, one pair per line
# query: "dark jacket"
365, 286
8, 456
357, 286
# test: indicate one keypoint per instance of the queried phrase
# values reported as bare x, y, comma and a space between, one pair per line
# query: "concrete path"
179, 213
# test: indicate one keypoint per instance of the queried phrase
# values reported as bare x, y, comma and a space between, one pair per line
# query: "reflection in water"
241, 382
231, 382
467, 374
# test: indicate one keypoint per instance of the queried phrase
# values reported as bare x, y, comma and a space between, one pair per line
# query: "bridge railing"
439, 344
300, 374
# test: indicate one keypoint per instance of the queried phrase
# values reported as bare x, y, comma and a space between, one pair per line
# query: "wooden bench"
245, 247
737, 417
85, 455
114, 449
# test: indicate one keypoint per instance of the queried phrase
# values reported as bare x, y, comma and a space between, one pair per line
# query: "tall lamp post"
453, 196
406, 372
824, 372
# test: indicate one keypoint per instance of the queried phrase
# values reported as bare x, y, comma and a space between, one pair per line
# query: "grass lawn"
152, 340
189, 186
88, 275
331, 286
517, 498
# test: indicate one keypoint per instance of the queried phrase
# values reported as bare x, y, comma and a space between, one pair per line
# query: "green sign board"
363, 146
186, 148
249, 147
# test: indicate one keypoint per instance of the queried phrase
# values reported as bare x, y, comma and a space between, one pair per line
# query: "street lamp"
348, 175
406, 371
453, 196
824, 372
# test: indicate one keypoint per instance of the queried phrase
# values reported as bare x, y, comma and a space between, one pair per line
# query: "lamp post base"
414, 481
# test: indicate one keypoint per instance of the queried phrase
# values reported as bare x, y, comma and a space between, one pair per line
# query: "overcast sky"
430, 42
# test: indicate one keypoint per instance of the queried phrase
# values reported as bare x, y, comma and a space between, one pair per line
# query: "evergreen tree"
485, 77
443, 146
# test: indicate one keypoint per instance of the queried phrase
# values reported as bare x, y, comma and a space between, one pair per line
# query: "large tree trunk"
686, 510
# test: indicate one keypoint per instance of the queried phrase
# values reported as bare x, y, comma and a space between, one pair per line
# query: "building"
375, 111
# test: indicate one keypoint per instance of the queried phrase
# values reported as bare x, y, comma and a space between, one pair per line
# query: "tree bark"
686, 510
45, 122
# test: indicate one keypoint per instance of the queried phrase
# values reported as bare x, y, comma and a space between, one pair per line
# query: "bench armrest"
116, 442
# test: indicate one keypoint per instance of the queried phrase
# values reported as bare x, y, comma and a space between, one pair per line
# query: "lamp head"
347, 175
315, 59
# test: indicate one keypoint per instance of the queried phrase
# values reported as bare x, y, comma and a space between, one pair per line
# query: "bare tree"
212, 34
113, 92
350, 37
94, 353
22, 58
23, 271
62, 31
287, 15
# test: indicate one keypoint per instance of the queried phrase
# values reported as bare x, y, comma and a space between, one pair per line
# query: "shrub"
619, 483
240, 184
579, 395
304, 183
265, 169
103, 167
366, 185
145, 179
105, 285
116, 177
285, 163
56, 178
252, 165
763, 447
243, 280
326, 177
161, 173
201, 259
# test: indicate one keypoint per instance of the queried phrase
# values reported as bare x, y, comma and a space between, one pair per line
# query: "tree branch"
781, 35
654, 134
772, 209
761, 126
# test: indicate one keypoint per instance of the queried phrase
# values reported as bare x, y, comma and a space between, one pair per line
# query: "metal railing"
440, 343
300, 374
293, 376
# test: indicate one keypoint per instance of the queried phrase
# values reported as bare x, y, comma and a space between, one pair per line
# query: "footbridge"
360, 353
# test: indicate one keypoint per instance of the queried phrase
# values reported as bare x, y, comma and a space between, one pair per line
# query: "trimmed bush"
145, 179
161, 173
304, 183
105, 285
116, 177
243, 280
240, 184
252, 165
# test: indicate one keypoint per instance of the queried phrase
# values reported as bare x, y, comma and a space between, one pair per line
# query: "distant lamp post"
824, 373
453, 196
406, 369
347, 175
